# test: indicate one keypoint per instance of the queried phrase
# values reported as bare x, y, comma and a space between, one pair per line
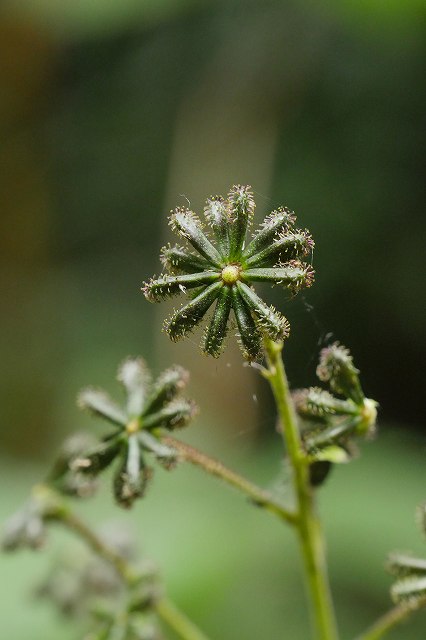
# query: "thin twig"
95, 542
165, 608
257, 495
178, 621
392, 618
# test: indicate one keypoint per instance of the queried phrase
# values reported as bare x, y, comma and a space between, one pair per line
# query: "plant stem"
75, 524
177, 621
214, 467
391, 618
307, 524
165, 609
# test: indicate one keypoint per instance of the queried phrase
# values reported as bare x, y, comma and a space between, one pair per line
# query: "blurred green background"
111, 113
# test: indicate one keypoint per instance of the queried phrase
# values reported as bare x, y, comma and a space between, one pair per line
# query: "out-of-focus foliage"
214, 565
112, 112
80, 19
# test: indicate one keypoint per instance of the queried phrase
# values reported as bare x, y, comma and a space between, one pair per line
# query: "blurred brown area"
27, 57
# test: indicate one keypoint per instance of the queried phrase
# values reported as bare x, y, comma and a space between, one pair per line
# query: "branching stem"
72, 522
391, 619
307, 524
257, 495
166, 610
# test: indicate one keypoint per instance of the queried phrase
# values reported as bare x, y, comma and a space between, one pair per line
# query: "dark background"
113, 113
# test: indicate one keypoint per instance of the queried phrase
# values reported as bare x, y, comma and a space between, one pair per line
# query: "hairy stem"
166, 610
307, 524
257, 495
391, 619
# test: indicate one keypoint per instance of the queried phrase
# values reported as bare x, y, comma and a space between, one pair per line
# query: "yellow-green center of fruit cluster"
230, 274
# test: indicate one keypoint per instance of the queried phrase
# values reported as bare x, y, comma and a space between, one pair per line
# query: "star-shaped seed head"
224, 267
149, 408
332, 420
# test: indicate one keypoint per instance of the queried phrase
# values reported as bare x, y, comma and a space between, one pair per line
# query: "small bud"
409, 590
249, 335
279, 221
100, 404
165, 455
218, 216
410, 586
402, 565
135, 378
338, 433
178, 260
185, 319
174, 415
215, 334
62, 477
166, 286
287, 246
189, 226
315, 402
167, 386
293, 275
337, 368
271, 322
368, 417
98, 459
304, 409
242, 206
332, 453
132, 475
25, 529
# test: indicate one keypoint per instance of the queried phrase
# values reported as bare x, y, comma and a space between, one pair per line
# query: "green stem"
214, 467
75, 524
165, 609
391, 618
178, 621
308, 525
